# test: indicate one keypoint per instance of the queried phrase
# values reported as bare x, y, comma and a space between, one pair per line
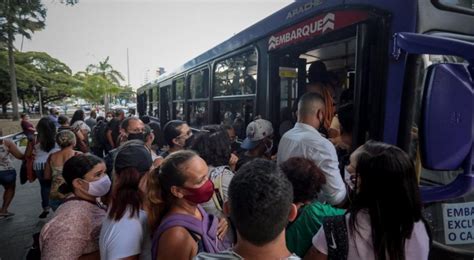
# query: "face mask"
269, 148
188, 142
108, 119
348, 179
99, 187
138, 136
201, 194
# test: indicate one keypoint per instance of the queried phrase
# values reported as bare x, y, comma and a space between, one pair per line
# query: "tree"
94, 87
106, 71
24, 18
36, 69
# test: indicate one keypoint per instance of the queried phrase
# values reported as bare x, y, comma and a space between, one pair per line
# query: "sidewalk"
16, 231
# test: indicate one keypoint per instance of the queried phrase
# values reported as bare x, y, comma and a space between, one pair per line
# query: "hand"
233, 161
222, 228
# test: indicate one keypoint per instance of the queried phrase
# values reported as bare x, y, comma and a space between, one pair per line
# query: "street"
16, 231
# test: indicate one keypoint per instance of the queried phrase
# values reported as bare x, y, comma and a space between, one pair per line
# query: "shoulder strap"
218, 197
336, 237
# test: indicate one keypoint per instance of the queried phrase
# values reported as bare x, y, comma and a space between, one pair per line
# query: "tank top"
5, 158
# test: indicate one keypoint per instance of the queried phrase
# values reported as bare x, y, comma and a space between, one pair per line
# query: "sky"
157, 33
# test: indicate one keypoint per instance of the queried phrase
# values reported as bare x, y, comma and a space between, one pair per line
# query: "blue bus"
410, 64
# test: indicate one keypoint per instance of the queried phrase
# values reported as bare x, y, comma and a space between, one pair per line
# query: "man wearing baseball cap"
258, 142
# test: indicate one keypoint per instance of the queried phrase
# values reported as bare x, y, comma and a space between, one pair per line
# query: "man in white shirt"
305, 141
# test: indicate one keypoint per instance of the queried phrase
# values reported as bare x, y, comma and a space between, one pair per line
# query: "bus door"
442, 134
354, 69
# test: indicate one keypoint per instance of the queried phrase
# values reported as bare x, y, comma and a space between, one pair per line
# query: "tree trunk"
11, 64
4, 108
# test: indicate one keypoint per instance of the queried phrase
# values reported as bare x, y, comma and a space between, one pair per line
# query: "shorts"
7, 177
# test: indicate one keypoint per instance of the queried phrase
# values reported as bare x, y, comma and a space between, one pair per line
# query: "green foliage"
39, 70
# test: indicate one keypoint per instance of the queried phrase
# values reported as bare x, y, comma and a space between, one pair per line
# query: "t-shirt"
243, 159
231, 255
25, 125
299, 234
126, 237
360, 247
114, 126
73, 231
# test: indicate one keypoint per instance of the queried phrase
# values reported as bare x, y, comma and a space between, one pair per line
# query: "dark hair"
100, 118
145, 119
77, 116
227, 127
305, 177
126, 122
347, 95
160, 182
307, 101
93, 114
389, 192
23, 115
317, 72
214, 148
119, 112
171, 131
76, 167
345, 114
260, 199
110, 113
62, 119
159, 140
46, 134
126, 193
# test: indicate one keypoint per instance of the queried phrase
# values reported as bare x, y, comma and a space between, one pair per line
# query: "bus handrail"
428, 44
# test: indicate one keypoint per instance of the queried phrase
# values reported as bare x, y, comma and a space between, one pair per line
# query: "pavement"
16, 232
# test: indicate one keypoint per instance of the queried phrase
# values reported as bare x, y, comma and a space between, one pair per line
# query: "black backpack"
336, 237
99, 138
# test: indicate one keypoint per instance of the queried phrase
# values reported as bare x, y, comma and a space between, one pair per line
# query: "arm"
318, 251
14, 150
110, 139
47, 169
176, 243
326, 159
315, 254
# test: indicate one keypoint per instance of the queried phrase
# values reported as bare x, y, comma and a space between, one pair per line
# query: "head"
145, 119
63, 120
100, 118
259, 137
177, 134
148, 135
109, 116
24, 116
345, 114
66, 139
120, 114
394, 207
260, 202
133, 128
93, 114
132, 162
214, 148
53, 111
230, 132
46, 133
311, 110
305, 177
77, 116
317, 73
85, 176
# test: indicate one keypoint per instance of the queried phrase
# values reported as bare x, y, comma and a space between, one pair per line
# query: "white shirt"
305, 141
417, 247
126, 237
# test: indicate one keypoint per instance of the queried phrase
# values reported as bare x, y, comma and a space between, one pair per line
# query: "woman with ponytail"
73, 233
124, 233
175, 192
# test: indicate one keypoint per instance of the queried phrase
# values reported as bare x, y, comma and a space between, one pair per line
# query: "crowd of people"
122, 188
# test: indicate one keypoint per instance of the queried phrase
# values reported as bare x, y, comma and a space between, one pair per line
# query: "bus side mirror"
447, 117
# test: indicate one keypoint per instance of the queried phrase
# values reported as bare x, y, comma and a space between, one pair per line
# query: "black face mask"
138, 136
188, 142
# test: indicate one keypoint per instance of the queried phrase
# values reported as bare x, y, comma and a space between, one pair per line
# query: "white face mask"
108, 119
348, 179
99, 187
269, 148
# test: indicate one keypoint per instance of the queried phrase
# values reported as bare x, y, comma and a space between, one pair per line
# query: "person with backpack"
175, 193
99, 138
383, 221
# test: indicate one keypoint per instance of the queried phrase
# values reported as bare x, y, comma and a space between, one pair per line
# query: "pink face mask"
201, 194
